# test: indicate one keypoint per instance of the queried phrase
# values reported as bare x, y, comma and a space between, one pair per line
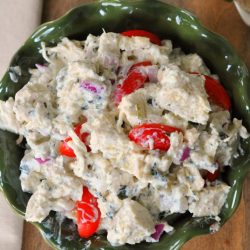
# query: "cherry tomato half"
139, 64
152, 136
143, 33
88, 214
216, 92
212, 176
65, 150
132, 82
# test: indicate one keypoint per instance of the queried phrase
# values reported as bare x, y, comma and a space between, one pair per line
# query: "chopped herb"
89, 167
31, 112
110, 215
122, 193
61, 76
190, 178
162, 215
123, 124
164, 112
222, 135
131, 57
195, 124
98, 195
150, 101
154, 171
95, 49
98, 106
111, 212
85, 107
157, 174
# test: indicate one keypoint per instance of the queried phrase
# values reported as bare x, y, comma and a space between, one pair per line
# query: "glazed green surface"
170, 23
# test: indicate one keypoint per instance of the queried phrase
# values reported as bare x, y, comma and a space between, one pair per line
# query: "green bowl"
118, 15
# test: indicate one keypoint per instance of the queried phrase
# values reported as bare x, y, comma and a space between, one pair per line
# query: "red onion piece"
91, 87
41, 161
185, 154
159, 229
152, 72
112, 81
41, 67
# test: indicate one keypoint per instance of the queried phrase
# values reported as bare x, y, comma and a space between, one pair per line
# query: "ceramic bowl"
168, 22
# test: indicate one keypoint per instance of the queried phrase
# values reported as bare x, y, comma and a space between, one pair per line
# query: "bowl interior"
113, 15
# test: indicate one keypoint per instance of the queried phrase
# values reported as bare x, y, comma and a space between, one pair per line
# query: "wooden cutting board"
221, 17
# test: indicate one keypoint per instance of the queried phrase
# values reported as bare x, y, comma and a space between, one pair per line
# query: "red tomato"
88, 197
140, 64
88, 214
212, 176
155, 134
77, 129
216, 92
65, 150
134, 81
152, 37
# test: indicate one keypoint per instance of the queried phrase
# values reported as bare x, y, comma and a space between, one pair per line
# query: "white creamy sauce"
133, 185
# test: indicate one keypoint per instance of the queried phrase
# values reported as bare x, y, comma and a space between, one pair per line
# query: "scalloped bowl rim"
110, 2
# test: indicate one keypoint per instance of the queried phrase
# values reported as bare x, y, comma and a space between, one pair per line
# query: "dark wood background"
222, 18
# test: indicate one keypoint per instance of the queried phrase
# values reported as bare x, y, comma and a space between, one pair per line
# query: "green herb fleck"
122, 193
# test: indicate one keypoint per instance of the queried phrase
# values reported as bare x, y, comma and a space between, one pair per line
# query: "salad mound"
121, 129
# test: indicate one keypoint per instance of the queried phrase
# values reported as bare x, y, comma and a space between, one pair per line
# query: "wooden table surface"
221, 17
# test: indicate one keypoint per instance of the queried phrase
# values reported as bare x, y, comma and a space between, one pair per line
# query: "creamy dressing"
133, 185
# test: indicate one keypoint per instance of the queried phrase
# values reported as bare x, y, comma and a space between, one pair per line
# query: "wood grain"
222, 18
